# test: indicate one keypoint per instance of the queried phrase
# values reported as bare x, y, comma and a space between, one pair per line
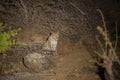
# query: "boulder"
37, 62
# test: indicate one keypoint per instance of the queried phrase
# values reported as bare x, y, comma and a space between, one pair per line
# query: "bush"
108, 51
6, 40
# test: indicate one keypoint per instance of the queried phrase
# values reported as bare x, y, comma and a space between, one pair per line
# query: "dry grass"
108, 54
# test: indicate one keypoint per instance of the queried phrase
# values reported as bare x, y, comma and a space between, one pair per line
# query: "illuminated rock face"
73, 19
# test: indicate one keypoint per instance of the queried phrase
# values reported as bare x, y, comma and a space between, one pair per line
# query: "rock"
37, 62
28, 76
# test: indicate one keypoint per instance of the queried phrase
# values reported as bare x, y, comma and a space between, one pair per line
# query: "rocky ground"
74, 65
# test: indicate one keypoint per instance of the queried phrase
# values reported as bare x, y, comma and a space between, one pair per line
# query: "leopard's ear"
51, 32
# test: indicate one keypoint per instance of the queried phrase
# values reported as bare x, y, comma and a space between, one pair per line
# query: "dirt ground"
75, 65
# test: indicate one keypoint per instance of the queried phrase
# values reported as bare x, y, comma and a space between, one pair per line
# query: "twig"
98, 63
104, 25
78, 9
100, 44
99, 54
116, 36
103, 19
25, 9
